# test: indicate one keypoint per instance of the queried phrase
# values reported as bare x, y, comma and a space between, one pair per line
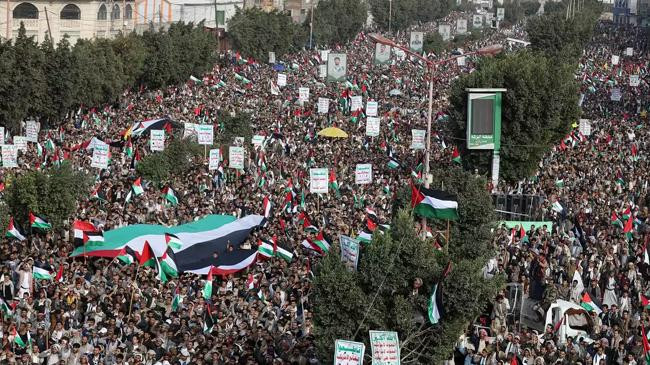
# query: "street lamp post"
431, 65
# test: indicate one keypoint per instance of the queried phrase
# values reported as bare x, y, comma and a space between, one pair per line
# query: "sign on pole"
9, 156
322, 71
303, 94
460, 61
417, 142
382, 54
349, 252
445, 31
336, 67
2, 135
100, 156
629, 51
615, 59
585, 127
236, 157
318, 181
363, 174
257, 140
348, 352
157, 140
372, 126
31, 131
417, 40
461, 26
20, 142
501, 14
356, 103
384, 346
616, 94
323, 54
323, 105
477, 21
484, 119
213, 162
634, 80
282, 80
271, 57
189, 130
205, 133
372, 108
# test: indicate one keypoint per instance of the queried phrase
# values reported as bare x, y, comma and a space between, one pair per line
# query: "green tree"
379, 295
30, 87
12, 107
59, 70
132, 52
530, 7
433, 42
537, 110
338, 21
175, 160
409, 12
47, 193
255, 33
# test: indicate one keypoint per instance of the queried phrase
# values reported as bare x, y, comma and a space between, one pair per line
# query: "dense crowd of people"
97, 313
594, 253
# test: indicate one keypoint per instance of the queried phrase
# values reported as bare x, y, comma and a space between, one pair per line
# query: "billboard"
484, 119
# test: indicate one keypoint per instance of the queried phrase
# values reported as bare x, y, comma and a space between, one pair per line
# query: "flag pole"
133, 289
448, 231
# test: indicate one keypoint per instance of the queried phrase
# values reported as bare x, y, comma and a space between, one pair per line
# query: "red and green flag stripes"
38, 222
431, 203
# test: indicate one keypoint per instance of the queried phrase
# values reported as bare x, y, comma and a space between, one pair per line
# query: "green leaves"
338, 21
256, 33
175, 160
380, 295
47, 193
408, 12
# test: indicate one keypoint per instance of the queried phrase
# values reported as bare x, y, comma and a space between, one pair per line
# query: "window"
25, 11
115, 14
70, 12
128, 12
221, 17
101, 13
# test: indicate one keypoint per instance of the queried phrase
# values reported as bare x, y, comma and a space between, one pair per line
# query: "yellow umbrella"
333, 132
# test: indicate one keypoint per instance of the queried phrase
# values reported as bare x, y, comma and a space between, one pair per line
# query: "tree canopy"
46, 82
379, 296
255, 33
537, 110
338, 21
408, 12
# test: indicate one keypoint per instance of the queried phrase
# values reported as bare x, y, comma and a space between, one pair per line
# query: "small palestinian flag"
177, 300
265, 248
455, 155
285, 253
85, 233
627, 213
242, 78
208, 321
365, 236
319, 244
147, 257
207, 288
393, 164
167, 264
333, 183
435, 305
127, 255
646, 345
589, 304
629, 227
14, 231
431, 203
173, 241
645, 303
267, 206
59, 275
137, 187
250, 282
195, 80
21, 341
7, 311
38, 222
129, 149
41, 272
168, 194
616, 221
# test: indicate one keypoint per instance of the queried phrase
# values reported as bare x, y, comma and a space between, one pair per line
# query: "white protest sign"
384, 346
205, 134
323, 105
615, 59
461, 26
189, 130
318, 180
213, 162
477, 21
282, 80
634, 80
356, 103
363, 174
303, 94
629, 51
257, 140
615, 96
9, 156
461, 61
348, 352
157, 140
100, 156
271, 57
2, 135
323, 55
349, 252
372, 126
445, 31
585, 127
372, 108
322, 71
418, 135
501, 13
20, 142
236, 157
31, 131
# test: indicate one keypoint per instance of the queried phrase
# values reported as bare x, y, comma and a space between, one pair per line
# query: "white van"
576, 321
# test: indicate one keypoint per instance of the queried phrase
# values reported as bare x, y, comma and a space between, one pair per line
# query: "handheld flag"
431, 203
38, 222
13, 231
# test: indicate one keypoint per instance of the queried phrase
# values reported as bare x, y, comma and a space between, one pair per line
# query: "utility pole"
49, 30
8, 20
124, 16
160, 12
216, 18
390, 15
311, 26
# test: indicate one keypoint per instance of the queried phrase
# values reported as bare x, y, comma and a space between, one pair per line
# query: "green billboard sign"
484, 119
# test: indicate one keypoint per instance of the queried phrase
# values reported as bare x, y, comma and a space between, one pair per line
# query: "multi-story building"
206, 11
299, 9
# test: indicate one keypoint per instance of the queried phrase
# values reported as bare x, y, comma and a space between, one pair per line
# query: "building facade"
206, 10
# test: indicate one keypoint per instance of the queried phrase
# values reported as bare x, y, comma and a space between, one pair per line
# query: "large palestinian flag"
200, 240
431, 203
142, 128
